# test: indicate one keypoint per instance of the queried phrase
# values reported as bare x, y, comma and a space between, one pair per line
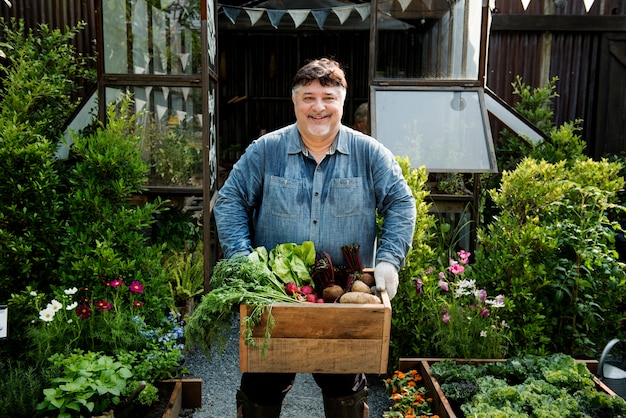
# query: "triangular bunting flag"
320, 16
185, 92
231, 13
588, 4
363, 9
299, 15
148, 91
161, 111
182, 116
404, 4
199, 120
275, 16
139, 70
166, 91
343, 13
166, 3
525, 4
254, 15
184, 59
139, 105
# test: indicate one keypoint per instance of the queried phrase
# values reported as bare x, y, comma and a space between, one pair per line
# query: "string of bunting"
297, 15
342, 12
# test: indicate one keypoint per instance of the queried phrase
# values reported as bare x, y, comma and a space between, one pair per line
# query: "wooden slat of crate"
321, 338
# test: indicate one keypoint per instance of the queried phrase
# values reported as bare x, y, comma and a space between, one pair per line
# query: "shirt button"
314, 221
317, 194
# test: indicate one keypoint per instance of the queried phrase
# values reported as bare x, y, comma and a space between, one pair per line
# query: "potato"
332, 293
359, 286
368, 279
359, 297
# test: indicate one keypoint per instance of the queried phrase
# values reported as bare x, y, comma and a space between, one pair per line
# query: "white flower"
47, 314
33, 293
69, 321
483, 333
55, 305
71, 291
72, 306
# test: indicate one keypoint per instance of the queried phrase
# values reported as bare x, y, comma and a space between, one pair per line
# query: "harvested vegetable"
332, 293
359, 297
368, 279
292, 262
360, 286
235, 281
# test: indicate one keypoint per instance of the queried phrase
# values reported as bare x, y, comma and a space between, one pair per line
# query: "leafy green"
538, 386
292, 262
235, 281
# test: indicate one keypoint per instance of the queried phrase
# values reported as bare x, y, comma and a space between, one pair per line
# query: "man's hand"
386, 277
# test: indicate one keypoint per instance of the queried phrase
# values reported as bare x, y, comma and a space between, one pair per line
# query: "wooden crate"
321, 338
440, 405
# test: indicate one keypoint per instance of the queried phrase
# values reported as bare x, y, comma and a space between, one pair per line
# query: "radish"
291, 288
307, 289
311, 297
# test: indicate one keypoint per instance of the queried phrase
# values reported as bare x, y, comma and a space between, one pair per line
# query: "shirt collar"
295, 143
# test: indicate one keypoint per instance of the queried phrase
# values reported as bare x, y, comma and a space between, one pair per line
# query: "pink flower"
103, 305
481, 295
116, 283
418, 286
446, 318
484, 312
136, 287
442, 275
456, 269
137, 303
464, 256
83, 311
443, 285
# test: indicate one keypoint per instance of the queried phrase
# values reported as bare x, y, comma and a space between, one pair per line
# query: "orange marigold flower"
396, 397
411, 384
401, 375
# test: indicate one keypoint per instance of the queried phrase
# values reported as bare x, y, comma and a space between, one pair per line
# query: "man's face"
318, 110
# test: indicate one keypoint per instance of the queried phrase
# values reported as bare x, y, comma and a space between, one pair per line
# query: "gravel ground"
220, 380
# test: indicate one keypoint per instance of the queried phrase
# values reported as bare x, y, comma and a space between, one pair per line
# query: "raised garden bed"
442, 406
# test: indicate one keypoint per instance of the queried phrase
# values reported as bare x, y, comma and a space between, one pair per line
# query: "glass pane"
435, 39
442, 130
170, 123
151, 36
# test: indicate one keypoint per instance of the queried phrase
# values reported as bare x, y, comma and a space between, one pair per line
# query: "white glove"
386, 277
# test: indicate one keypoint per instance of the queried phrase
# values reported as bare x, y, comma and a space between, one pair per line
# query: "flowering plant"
409, 398
466, 321
85, 318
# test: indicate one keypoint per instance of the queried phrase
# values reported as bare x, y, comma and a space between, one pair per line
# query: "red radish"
311, 298
291, 288
307, 290
320, 300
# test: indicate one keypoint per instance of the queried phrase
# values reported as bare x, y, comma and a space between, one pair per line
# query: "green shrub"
22, 387
550, 250
407, 334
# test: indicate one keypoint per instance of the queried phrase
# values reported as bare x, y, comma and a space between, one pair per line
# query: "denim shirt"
277, 193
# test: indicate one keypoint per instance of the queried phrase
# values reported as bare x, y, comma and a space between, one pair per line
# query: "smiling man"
316, 180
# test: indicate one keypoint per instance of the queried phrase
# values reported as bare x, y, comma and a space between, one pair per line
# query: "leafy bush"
35, 102
405, 307
551, 250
